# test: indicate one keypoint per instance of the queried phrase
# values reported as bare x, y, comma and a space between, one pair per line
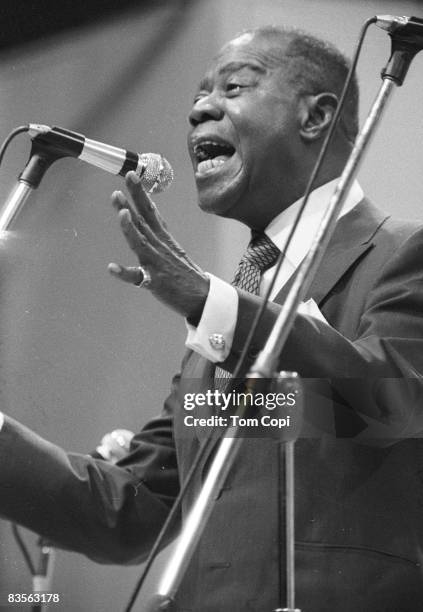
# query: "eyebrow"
232, 67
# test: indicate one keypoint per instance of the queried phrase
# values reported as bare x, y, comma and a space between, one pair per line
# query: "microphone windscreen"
157, 174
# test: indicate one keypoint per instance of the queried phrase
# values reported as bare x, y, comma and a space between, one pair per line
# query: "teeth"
209, 149
209, 164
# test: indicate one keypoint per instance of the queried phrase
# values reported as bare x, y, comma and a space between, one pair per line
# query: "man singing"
257, 125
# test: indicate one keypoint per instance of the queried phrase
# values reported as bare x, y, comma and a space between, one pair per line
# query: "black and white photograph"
211, 306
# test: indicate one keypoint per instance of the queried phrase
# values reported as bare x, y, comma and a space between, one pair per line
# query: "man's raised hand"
175, 279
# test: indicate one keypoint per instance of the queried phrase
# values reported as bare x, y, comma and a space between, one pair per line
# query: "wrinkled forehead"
251, 47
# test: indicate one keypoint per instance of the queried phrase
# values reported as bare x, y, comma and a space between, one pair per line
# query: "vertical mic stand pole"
14, 204
41, 580
290, 527
404, 48
289, 382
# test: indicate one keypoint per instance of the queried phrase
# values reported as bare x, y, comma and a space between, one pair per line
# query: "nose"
206, 108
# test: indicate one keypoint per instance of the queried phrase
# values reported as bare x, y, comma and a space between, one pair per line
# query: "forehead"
261, 53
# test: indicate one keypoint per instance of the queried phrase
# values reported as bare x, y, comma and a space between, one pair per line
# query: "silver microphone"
154, 170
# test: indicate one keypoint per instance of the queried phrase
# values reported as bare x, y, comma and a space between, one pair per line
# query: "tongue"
209, 164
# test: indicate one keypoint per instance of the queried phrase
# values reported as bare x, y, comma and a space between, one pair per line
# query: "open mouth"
212, 154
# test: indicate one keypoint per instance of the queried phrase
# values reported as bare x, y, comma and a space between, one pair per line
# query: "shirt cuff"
213, 336
1, 420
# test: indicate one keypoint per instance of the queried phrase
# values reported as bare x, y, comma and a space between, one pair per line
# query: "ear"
316, 113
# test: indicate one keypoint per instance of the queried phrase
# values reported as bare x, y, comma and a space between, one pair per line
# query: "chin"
217, 205
212, 205
225, 200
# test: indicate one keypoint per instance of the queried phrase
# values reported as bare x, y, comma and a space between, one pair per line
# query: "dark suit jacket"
359, 460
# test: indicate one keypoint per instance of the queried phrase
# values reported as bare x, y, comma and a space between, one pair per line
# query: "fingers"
141, 226
142, 245
131, 275
144, 209
146, 236
140, 198
149, 213
120, 202
145, 205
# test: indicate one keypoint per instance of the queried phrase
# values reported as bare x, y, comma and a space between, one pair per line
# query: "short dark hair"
315, 66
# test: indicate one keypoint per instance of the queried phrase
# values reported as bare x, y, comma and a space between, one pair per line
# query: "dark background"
26, 21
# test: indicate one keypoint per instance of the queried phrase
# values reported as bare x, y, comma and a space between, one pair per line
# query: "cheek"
271, 142
266, 125
266, 128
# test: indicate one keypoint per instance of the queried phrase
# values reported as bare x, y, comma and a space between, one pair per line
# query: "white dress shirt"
220, 312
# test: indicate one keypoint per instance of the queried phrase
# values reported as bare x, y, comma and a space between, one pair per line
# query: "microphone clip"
42, 155
406, 41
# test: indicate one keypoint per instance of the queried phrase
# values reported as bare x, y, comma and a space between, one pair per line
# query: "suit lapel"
351, 239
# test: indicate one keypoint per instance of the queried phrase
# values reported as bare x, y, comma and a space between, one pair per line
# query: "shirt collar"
279, 228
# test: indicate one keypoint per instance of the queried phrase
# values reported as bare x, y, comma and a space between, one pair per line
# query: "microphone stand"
42, 573
41, 158
41, 580
405, 45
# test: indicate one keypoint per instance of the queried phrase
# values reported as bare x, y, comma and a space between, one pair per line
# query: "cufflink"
217, 342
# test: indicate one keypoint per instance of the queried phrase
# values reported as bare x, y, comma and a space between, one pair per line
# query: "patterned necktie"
261, 254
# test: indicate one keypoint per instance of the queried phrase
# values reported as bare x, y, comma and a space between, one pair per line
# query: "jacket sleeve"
375, 378
111, 513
